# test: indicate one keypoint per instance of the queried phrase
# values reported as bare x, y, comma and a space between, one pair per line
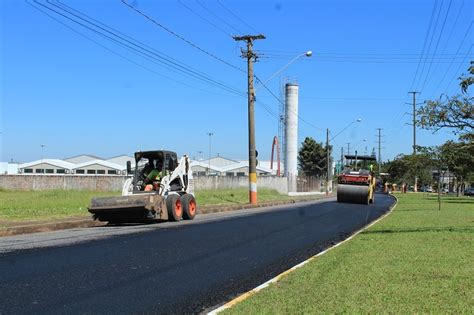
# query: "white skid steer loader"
161, 189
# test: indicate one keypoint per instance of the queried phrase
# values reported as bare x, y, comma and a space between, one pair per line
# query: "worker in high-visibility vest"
154, 176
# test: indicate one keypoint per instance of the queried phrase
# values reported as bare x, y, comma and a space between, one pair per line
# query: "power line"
459, 48
235, 16
424, 43
431, 41
204, 19
116, 53
135, 46
353, 54
437, 44
218, 17
154, 21
446, 45
281, 102
456, 73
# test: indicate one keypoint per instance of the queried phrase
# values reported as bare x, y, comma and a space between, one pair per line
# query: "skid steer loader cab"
146, 161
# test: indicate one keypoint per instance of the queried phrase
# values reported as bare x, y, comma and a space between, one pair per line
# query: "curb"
248, 294
85, 223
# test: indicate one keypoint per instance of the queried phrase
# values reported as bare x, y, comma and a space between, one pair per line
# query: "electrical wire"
237, 17
116, 53
456, 73
136, 47
205, 20
154, 21
217, 17
450, 65
281, 102
429, 45
424, 45
437, 44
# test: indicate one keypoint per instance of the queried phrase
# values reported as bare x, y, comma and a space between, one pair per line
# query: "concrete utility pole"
42, 149
328, 162
379, 158
210, 134
251, 57
414, 133
342, 159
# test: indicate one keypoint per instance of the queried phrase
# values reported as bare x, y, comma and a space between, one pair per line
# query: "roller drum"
353, 193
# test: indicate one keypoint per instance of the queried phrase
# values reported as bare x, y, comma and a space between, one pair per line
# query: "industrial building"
92, 165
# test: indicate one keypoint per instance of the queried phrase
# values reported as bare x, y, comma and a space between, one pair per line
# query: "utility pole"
379, 158
251, 57
342, 159
328, 161
348, 148
42, 149
415, 189
210, 134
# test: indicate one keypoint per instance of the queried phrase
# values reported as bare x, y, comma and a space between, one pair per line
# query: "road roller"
161, 189
356, 184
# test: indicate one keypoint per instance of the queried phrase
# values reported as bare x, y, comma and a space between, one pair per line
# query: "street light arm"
358, 120
308, 54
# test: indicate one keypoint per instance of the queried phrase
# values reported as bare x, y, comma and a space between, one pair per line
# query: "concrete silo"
291, 134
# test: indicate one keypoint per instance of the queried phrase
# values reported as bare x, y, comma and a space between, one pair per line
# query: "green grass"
235, 196
416, 260
55, 204
41, 205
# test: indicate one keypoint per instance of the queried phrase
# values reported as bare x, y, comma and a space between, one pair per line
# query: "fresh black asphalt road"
169, 267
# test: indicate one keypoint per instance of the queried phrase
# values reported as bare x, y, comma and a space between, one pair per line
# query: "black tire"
175, 207
189, 206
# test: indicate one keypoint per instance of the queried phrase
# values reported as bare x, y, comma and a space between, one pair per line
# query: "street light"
308, 53
210, 134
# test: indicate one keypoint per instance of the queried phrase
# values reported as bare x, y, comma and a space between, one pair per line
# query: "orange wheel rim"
177, 207
192, 207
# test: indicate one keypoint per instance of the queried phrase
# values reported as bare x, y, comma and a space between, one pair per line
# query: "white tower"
291, 134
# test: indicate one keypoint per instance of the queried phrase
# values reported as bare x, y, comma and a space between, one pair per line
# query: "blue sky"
71, 89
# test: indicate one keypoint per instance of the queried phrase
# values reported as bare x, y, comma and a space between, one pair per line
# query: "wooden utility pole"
251, 57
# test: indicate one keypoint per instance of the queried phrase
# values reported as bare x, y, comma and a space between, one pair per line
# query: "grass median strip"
57, 204
18, 205
417, 260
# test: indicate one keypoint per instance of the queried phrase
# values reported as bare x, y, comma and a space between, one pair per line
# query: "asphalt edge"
89, 222
277, 278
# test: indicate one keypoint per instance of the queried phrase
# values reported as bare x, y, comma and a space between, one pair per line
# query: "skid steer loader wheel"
175, 207
189, 206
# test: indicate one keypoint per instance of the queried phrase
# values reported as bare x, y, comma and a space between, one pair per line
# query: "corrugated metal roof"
100, 162
53, 162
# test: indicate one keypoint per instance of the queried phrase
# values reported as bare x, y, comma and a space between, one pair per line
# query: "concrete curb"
89, 222
248, 294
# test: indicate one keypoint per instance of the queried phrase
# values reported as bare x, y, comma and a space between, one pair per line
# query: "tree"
456, 112
438, 162
459, 159
406, 167
312, 158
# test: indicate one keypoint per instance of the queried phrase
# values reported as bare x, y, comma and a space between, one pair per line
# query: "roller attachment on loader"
161, 189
